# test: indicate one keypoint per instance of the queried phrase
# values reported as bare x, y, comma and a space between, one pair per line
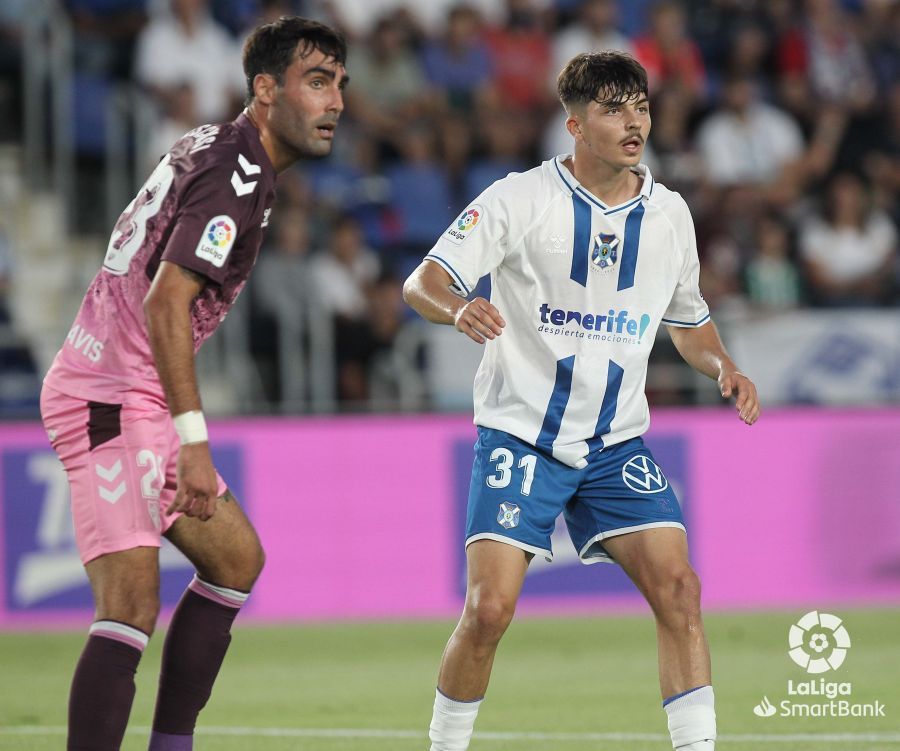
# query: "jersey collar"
250, 131
570, 184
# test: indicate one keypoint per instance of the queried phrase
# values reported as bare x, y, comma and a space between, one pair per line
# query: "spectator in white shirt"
850, 249
188, 46
746, 140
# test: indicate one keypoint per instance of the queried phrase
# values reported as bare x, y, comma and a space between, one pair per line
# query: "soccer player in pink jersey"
121, 404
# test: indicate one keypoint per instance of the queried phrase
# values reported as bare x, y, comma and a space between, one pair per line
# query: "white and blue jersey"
583, 288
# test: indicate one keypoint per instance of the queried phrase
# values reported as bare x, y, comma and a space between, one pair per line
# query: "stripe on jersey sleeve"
630, 250
609, 406
688, 324
450, 270
581, 243
556, 407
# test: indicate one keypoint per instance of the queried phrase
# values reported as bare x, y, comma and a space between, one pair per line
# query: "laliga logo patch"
605, 252
509, 515
468, 220
217, 241
219, 233
818, 642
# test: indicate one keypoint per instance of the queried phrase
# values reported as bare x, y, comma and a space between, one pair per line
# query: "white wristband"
191, 427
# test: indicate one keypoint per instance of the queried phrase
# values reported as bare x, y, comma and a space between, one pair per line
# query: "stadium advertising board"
826, 357
363, 517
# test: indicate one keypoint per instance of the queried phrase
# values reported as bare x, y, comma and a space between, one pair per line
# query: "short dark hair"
607, 77
272, 47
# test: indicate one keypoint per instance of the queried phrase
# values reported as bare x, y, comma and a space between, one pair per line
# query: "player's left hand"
734, 383
196, 483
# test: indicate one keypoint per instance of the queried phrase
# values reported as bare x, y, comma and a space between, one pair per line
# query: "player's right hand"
196, 493
479, 320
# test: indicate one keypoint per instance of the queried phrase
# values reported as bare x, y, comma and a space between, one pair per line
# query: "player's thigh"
623, 492
652, 558
516, 493
126, 587
495, 569
225, 549
113, 457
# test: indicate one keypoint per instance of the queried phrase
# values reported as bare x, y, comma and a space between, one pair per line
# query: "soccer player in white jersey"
587, 256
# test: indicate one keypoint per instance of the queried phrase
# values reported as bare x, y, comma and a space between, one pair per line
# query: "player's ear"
264, 86
573, 125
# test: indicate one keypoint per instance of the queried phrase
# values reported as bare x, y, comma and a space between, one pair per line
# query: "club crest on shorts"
509, 515
605, 252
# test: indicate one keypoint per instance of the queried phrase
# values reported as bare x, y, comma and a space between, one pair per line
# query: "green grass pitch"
558, 684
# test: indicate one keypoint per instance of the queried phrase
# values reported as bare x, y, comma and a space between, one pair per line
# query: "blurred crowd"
778, 120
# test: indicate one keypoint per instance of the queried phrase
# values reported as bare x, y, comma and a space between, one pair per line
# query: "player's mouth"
633, 144
326, 130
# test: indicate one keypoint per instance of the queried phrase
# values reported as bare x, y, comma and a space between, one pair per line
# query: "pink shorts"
121, 464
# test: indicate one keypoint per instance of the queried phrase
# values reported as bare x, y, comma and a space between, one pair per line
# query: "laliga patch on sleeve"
467, 221
217, 240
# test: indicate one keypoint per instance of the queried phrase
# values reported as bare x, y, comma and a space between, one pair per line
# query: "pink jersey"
204, 208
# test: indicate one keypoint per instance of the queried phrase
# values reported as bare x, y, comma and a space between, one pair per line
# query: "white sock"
692, 720
452, 723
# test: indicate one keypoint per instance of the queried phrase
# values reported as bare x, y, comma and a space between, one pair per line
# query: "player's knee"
256, 560
241, 568
139, 610
678, 594
489, 615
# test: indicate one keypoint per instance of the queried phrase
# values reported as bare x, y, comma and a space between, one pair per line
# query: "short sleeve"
209, 219
476, 242
687, 307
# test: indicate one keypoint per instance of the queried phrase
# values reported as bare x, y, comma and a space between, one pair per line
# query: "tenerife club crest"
605, 252
509, 515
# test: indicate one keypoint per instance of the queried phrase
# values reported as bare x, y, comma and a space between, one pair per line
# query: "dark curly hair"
271, 48
606, 77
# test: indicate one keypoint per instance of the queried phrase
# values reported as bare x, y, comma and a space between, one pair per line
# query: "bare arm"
427, 291
167, 308
703, 350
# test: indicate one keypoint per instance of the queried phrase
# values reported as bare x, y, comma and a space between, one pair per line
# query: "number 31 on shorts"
504, 459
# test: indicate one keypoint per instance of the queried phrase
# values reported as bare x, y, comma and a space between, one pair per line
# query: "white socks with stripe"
452, 723
692, 719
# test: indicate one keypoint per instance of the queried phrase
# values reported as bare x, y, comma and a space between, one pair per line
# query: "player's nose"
336, 103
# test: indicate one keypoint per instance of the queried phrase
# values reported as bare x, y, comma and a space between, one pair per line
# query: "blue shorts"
517, 492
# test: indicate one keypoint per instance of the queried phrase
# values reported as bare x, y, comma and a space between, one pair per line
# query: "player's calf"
195, 647
228, 556
103, 686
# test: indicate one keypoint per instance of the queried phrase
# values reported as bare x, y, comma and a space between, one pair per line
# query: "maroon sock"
195, 647
103, 687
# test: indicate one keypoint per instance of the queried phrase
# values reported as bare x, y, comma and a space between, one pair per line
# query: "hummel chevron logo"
108, 474
249, 169
240, 187
113, 495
